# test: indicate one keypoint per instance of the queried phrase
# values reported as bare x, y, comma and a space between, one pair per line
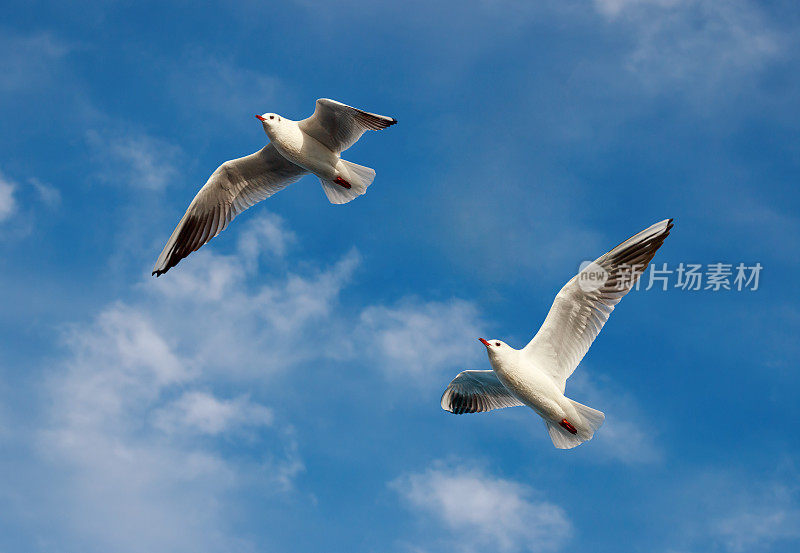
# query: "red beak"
260, 118
484, 342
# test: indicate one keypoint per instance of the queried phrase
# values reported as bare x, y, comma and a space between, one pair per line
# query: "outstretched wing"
339, 126
235, 186
584, 304
476, 392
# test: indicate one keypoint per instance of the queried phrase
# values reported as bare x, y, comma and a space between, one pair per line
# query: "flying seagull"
536, 375
312, 145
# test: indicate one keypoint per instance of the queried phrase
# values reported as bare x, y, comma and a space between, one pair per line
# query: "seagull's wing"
476, 392
235, 185
580, 310
339, 126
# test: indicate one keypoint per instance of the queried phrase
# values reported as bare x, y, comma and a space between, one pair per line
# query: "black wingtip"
394, 122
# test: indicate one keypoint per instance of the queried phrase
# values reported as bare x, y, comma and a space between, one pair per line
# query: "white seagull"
537, 374
312, 145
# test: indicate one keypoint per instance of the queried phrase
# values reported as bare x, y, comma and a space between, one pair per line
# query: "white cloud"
737, 512
29, 60
480, 512
201, 412
695, 43
266, 235
273, 327
421, 340
133, 159
752, 515
8, 204
128, 488
612, 8
251, 330
138, 426
758, 529
49, 195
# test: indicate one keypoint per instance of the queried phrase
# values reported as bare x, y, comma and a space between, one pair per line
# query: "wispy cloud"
477, 511
758, 529
267, 236
133, 159
136, 426
49, 195
130, 485
29, 61
418, 340
411, 337
207, 87
628, 435
246, 329
613, 8
201, 412
697, 43
8, 204
737, 512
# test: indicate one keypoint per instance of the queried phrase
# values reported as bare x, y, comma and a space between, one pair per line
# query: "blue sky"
279, 390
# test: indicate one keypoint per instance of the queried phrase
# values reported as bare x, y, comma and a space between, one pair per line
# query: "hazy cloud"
478, 511
628, 434
8, 204
203, 413
134, 424
49, 195
206, 86
736, 512
29, 60
758, 529
421, 339
133, 159
128, 488
697, 42
136, 420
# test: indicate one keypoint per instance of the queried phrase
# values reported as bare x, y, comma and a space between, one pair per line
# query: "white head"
270, 121
498, 350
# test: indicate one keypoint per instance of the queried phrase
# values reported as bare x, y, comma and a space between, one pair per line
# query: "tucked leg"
567, 426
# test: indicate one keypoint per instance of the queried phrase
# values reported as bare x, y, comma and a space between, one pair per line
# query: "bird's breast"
306, 151
533, 387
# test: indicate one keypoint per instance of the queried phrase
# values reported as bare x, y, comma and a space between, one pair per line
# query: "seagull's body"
536, 375
313, 145
533, 387
301, 149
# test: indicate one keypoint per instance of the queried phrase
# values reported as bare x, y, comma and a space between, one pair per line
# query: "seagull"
312, 145
536, 375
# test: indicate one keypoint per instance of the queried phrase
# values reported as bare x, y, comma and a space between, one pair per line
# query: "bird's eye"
272, 117
497, 344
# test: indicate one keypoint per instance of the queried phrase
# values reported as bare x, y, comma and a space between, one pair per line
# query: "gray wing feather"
235, 186
338, 126
578, 315
476, 392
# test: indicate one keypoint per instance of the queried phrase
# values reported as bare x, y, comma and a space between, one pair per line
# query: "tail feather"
591, 420
359, 178
561, 438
